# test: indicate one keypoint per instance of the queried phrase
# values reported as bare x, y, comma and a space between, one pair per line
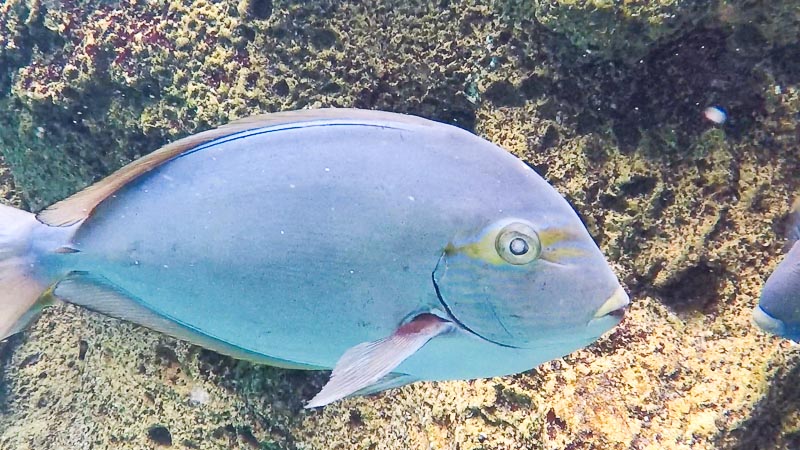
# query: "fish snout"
768, 323
615, 305
610, 313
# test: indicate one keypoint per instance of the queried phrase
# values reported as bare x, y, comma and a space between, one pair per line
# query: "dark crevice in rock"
638, 185
694, 289
160, 435
83, 347
668, 89
260, 9
503, 93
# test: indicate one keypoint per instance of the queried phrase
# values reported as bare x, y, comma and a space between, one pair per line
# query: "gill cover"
478, 279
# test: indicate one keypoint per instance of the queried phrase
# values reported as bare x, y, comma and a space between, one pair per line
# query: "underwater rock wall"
690, 212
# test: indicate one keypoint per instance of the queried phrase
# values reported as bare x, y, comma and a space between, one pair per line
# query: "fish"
715, 114
385, 247
778, 309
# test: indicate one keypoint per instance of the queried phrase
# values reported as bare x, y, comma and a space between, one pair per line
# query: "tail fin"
18, 288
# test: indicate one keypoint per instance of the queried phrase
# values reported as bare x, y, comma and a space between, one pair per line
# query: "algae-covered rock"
613, 29
629, 30
131, 75
688, 211
769, 23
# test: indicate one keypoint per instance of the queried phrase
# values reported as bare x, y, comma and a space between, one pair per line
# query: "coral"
608, 29
8, 194
629, 30
164, 69
761, 22
689, 212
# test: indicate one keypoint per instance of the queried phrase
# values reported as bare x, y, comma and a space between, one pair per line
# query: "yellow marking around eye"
550, 236
483, 249
48, 297
556, 256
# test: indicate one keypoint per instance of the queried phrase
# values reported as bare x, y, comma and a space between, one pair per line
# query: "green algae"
685, 209
612, 29
159, 70
629, 30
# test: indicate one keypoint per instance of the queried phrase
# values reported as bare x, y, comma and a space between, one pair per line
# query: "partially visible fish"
778, 311
387, 247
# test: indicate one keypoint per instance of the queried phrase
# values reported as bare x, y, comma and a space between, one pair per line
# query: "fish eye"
518, 246
518, 243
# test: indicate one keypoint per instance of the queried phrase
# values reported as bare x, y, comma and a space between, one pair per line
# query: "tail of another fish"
19, 290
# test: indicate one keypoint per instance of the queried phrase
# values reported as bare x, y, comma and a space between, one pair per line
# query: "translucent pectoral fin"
391, 381
366, 364
100, 295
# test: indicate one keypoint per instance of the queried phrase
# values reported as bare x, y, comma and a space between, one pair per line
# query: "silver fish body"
294, 242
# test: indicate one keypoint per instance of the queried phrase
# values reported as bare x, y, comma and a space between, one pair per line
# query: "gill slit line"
450, 313
494, 313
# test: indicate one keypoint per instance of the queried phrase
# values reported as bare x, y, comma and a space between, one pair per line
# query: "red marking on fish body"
418, 324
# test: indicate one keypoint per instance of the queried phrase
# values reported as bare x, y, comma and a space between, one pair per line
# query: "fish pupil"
518, 246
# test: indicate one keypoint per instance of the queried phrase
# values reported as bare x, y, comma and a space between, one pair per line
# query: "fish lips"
773, 325
610, 313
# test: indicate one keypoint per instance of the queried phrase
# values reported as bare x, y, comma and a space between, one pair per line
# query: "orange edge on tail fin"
18, 294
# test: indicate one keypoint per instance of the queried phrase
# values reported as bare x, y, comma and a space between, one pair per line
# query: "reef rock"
688, 210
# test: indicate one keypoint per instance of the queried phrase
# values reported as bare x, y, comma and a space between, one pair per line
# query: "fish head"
532, 280
778, 310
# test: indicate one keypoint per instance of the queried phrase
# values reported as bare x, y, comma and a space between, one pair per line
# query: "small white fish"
715, 114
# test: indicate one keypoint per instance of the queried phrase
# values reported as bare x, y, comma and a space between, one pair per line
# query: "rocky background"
604, 98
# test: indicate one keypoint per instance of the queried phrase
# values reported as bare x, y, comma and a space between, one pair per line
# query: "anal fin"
366, 364
100, 295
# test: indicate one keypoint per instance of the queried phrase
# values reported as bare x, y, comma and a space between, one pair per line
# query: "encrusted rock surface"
613, 29
689, 212
629, 30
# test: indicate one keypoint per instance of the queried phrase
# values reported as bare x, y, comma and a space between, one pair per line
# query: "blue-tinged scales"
387, 247
778, 310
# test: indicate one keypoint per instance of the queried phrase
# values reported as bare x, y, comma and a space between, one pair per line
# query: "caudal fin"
18, 289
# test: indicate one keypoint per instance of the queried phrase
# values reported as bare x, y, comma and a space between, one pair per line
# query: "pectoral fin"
366, 364
391, 381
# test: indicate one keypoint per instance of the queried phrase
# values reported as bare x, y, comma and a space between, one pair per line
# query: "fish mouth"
767, 322
613, 307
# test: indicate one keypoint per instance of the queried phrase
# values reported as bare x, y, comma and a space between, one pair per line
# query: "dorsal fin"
79, 206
